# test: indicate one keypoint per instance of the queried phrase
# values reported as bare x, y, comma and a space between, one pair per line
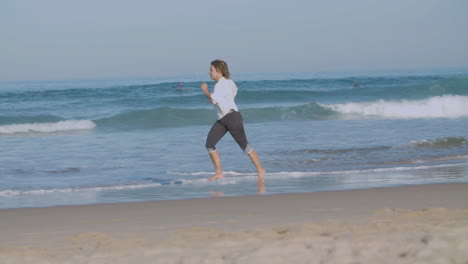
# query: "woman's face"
215, 74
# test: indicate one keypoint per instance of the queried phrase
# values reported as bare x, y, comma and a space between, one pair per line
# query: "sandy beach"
408, 224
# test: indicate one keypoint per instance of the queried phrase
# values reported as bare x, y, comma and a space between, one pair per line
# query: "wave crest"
441, 143
447, 106
47, 127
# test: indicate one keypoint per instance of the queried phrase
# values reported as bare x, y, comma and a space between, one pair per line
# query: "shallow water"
93, 142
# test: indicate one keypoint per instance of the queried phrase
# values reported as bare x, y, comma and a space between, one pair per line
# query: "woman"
229, 119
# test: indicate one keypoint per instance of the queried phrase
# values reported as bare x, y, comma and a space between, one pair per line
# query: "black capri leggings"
233, 123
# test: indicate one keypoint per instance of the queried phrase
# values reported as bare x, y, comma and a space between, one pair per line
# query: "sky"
59, 40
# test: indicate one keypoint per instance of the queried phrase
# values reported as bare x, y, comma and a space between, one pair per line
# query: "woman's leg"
217, 131
235, 126
216, 159
260, 170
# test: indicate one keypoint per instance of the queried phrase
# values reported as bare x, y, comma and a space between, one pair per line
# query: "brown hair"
222, 67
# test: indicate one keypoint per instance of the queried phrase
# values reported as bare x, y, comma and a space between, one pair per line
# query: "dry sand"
410, 224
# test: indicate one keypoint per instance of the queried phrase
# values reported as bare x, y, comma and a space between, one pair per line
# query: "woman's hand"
204, 87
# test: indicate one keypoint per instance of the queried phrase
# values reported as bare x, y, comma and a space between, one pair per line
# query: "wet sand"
408, 224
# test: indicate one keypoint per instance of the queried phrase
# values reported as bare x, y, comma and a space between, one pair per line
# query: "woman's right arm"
204, 88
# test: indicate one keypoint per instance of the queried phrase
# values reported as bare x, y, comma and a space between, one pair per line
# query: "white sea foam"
301, 174
207, 173
47, 127
83, 189
447, 106
232, 177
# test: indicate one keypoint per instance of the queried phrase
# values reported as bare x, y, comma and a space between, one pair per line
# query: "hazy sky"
110, 38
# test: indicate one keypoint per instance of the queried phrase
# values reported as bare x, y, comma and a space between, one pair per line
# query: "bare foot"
217, 194
261, 177
216, 176
261, 188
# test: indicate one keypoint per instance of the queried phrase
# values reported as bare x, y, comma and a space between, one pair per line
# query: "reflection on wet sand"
261, 190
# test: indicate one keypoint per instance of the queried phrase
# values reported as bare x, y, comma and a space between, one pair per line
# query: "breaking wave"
68, 125
447, 106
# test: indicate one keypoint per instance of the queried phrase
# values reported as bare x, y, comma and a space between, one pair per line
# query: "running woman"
229, 119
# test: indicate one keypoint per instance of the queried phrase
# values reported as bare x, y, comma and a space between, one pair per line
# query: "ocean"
106, 141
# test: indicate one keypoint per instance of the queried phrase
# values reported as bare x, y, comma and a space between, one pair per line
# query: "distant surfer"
355, 84
229, 119
180, 87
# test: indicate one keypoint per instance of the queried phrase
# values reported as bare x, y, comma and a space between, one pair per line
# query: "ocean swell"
447, 106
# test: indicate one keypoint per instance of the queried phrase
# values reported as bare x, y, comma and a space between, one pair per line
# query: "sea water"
101, 141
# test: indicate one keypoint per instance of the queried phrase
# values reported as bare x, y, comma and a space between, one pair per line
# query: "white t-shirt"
224, 93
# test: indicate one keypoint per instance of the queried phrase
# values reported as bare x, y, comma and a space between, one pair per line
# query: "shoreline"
213, 194
403, 224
